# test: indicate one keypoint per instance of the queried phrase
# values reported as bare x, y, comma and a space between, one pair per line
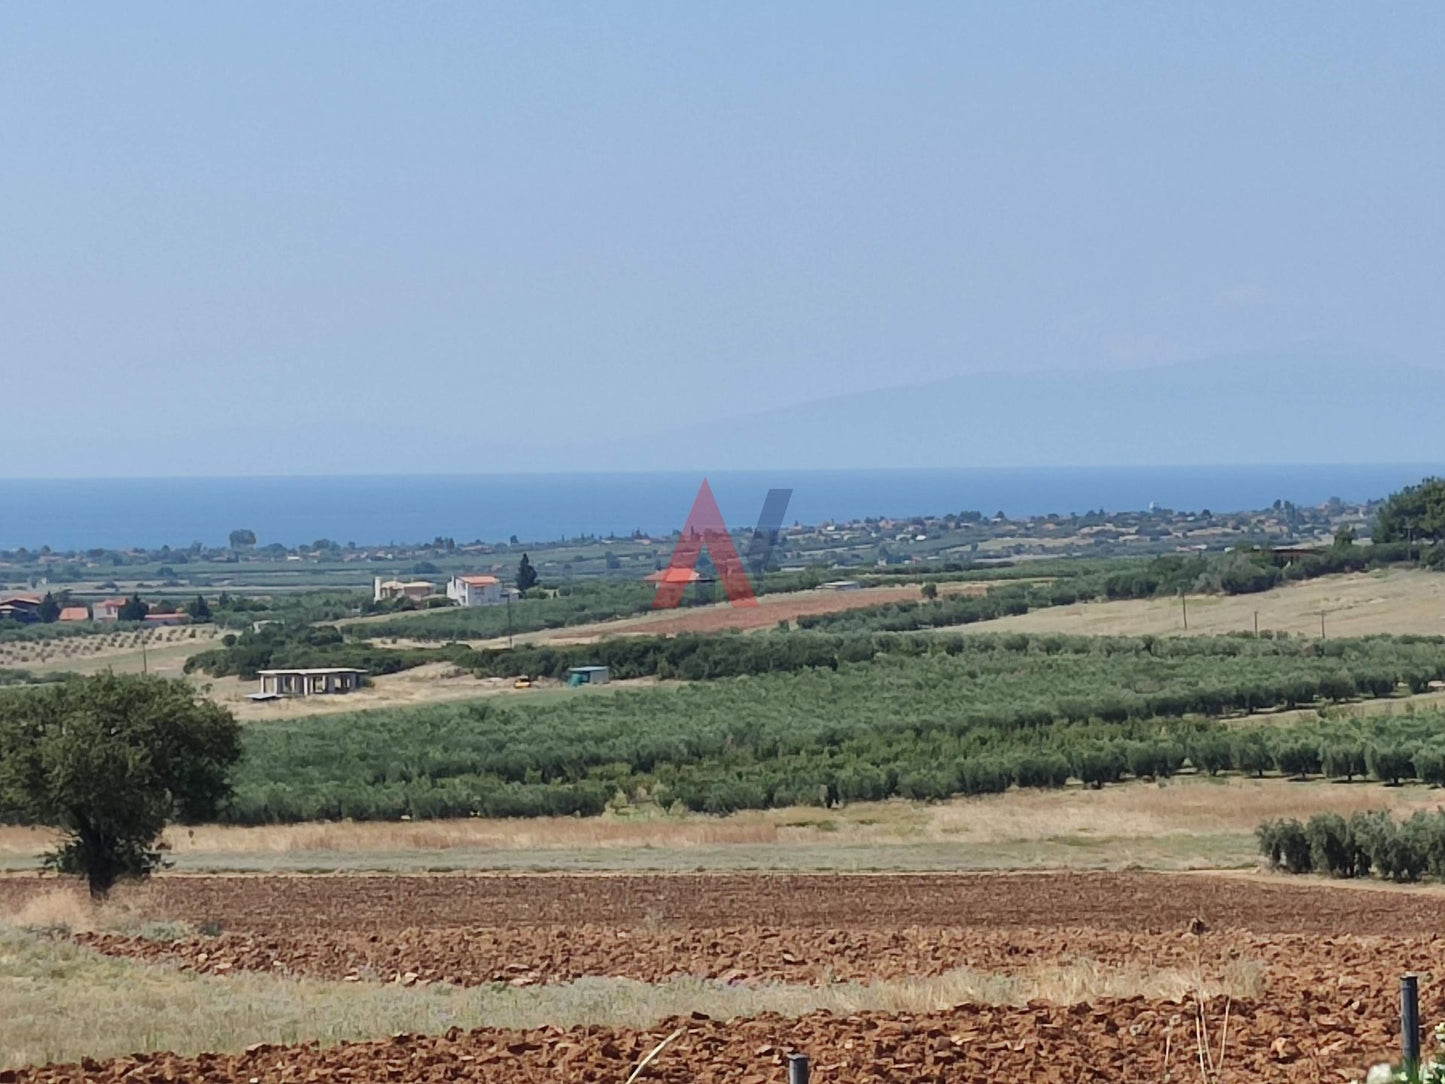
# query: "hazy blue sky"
315, 237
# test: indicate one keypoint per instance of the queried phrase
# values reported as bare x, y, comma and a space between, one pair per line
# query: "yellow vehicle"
523, 682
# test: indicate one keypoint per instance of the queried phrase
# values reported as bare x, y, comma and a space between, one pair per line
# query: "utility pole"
144, 661
1184, 608
1256, 624
509, 619
1322, 624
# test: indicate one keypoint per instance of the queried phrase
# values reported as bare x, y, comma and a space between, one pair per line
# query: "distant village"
445, 572
32, 608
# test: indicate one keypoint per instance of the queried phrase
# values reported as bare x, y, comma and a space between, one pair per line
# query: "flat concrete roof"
315, 670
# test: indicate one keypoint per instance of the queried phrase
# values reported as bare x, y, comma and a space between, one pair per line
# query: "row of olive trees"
1365, 844
109, 761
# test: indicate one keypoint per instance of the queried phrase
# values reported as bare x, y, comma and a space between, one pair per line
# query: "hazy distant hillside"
1205, 413
1218, 412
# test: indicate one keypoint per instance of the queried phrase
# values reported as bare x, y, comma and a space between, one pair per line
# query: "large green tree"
110, 761
134, 609
1415, 513
526, 574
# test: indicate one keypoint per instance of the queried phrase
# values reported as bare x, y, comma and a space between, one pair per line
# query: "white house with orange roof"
476, 591
108, 609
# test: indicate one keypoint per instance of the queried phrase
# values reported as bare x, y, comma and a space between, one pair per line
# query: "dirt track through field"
1326, 959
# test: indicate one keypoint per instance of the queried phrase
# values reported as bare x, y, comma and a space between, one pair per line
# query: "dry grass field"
159, 651
433, 683
1185, 823
1359, 604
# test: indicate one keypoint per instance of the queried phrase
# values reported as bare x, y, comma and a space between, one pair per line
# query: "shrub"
1297, 757
1209, 752
1365, 831
1430, 765
984, 775
1099, 764
1368, 842
1153, 759
862, 783
929, 784
729, 796
1340, 759
1390, 763
1285, 845
1042, 769
1249, 753
1332, 847
800, 792
1427, 830
1395, 853
1422, 836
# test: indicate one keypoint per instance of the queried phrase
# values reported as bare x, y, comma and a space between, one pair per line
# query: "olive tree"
109, 761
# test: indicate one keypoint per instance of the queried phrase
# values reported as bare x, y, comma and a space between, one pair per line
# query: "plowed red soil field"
1133, 902
1296, 1039
766, 614
1328, 960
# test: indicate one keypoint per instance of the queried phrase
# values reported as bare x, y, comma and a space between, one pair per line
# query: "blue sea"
85, 513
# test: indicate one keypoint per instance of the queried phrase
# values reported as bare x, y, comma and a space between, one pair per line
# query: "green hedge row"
1366, 844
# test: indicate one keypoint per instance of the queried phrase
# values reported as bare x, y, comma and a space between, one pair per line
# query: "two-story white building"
476, 591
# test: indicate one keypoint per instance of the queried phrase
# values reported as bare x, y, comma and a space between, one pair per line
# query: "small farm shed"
588, 675
313, 681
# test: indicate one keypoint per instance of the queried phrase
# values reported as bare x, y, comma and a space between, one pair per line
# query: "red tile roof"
479, 581
674, 575
75, 613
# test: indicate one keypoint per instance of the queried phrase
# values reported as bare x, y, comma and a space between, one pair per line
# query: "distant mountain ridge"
1225, 412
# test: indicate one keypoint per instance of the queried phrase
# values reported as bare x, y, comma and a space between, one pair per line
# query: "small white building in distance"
476, 591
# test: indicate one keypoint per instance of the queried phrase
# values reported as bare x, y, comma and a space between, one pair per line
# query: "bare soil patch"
1132, 1039
1127, 902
